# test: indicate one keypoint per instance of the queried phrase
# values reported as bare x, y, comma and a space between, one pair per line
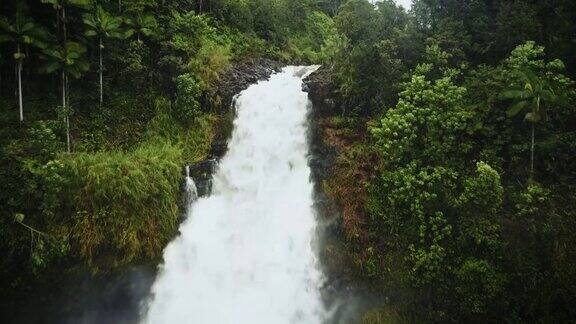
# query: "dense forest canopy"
461, 120
458, 119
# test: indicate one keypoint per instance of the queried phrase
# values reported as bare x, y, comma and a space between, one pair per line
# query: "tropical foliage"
460, 166
452, 124
119, 96
22, 32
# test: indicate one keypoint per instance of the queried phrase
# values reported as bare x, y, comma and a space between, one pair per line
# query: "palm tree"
530, 96
1, 63
60, 7
23, 31
102, 25
69, 60
141, 24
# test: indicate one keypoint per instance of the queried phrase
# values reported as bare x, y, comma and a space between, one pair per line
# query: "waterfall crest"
244, 254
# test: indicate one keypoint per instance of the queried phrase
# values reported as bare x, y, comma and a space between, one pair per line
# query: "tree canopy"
453, 132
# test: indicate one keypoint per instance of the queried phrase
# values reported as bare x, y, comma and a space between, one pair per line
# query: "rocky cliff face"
338, 289
323, 93
340, 171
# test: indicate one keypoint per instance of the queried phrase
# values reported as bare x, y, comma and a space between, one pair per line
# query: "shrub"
187, 106
123, 205
212, 58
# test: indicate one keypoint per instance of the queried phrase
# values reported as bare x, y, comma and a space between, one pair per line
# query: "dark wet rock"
322, 92
241, 76
219, 148
341, 291
202, 173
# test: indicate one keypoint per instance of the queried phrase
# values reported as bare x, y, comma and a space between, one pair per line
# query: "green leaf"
27, 27
149, 22
547, 95
129, 32
515, 109
114, 23
51, 67
19, 218
514, 94
557, 65
19, 56
78, 3
147, 31
532, 117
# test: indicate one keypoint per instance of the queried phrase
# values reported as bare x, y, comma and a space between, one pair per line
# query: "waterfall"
191, 190
245, 254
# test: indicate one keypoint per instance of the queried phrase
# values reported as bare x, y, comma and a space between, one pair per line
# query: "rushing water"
190, 188
245, 254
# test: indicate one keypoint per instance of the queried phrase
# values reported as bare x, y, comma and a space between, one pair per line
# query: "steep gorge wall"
339, 197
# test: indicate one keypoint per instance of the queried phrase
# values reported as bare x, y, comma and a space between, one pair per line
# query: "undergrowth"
120, 206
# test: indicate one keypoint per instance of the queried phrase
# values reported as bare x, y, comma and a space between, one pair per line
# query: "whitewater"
246, 254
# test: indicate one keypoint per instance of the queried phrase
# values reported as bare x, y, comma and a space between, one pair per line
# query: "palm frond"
514, 94
51, 67
516, 108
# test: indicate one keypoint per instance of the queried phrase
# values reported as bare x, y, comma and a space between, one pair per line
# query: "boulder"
322, 92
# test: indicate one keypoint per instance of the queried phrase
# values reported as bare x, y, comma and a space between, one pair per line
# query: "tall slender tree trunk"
532, 152
65, 80
68, 112
16, 78
532, 139
63, 89
101, 68
20, 91
19, 68
64, 31
65, 107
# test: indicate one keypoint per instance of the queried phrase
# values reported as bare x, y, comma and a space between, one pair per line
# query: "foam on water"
245, 254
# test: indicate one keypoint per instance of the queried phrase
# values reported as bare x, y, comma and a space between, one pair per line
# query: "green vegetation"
23, 31
465, 208
102, 25
118, 97
455, 137
130, 194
